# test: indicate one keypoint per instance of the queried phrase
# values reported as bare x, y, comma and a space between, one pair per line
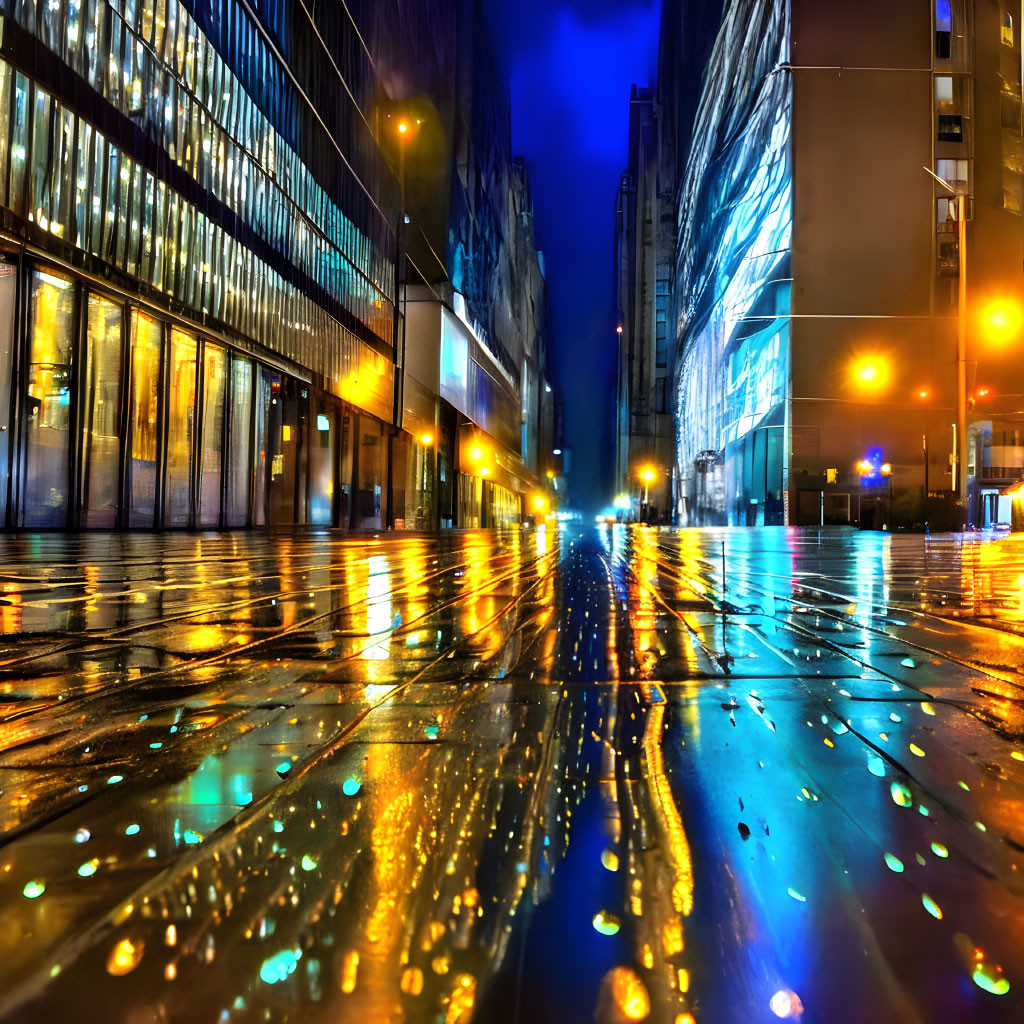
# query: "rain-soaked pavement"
606, 775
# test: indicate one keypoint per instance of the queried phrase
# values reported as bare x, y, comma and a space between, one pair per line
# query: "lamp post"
924, 394
887, 473
647, 475
400, 282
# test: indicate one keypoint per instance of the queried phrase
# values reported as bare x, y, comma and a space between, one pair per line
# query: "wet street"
602, 774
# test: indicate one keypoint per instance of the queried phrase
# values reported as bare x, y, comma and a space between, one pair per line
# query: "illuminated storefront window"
101, 414
8, 296
49, 401
147, 345
321, 465
214, 384
181, 400
236, 512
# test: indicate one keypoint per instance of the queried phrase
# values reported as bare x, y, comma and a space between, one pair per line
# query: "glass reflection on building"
197, 282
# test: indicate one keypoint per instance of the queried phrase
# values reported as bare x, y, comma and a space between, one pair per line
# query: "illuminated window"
101, 414
181, 429
8, 298
943, 29
211, 458
147, 348
239, 443
955, 172
48, 400
1006, 28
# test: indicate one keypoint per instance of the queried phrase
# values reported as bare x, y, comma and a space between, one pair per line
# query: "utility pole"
960, 442
961, 357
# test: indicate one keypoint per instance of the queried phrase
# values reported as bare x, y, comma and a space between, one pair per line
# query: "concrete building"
202, 271
816, 269
645, 435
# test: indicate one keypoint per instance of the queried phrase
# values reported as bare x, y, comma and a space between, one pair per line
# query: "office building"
817, 261
201, 288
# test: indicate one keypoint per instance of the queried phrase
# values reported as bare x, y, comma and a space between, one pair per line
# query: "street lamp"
924, 395
887, 473
648, 476
870, 372
400, 309
1002, 320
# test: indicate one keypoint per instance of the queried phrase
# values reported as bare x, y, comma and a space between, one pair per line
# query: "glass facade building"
199, 291
733, 279
817, 262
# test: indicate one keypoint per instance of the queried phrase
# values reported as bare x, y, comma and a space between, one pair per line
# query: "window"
6, 75
1006, 28
214, 381
180, 429
955, 172
8, 293
39, 178
49, 401
945, 217
19, 144
322, 444
101, 414
147, 338
943, 29
239, 443
950, 128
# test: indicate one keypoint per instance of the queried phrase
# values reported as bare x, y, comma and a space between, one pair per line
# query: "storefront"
114, 415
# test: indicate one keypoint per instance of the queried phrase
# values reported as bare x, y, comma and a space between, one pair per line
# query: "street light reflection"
435, 753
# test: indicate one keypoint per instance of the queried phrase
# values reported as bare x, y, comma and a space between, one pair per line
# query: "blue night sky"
571, 64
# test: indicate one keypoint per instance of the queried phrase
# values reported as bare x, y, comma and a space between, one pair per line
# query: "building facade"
474, 361
816, 270
202, 282
645, 436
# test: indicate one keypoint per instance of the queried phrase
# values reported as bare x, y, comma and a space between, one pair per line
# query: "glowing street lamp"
870, 373
401, 278
648, 475
886, 470
427, 440
1001, 321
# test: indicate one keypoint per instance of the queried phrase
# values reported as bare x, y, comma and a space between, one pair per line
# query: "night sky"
571, 64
